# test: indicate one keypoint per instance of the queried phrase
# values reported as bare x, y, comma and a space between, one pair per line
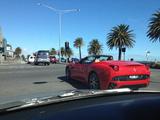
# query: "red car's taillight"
115, 67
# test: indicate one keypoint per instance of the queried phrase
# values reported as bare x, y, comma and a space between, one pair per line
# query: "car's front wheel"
94, 81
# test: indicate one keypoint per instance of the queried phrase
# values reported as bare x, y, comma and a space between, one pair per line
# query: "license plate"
133, 77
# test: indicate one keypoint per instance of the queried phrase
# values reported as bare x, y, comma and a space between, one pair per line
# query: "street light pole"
147, 55
60, 32
59, 12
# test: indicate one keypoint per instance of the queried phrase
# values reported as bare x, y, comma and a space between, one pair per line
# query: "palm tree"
119, 37
62, 51
78, 43
94, 47
154, 27
53, 51
18, 51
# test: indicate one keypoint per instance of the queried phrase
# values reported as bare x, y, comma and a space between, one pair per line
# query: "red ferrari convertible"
102, 72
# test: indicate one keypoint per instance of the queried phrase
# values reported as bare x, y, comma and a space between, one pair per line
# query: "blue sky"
34, 27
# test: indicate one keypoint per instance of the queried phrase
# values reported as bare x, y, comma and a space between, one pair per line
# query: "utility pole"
1, 45
60, 13
147, 55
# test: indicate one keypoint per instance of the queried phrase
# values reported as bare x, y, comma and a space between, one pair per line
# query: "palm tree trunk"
80, 53
120, 53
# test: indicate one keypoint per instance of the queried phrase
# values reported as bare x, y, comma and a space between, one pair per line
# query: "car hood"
67, 96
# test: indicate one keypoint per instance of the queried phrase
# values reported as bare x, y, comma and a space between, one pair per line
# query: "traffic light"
66, 45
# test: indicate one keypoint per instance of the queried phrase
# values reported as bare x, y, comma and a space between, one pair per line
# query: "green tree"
23, 57
68, 53
28, 56
62, 51
78, 43
94, 47
52, 51
154, 27
18, 51
119, 37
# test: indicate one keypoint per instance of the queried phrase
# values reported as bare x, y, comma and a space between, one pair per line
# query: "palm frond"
154, 27
94, 47
120, 36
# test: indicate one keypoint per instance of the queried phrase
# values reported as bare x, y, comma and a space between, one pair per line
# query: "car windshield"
48, 47
104, 58
43, 53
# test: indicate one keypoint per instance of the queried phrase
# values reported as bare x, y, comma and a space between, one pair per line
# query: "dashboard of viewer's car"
125, 106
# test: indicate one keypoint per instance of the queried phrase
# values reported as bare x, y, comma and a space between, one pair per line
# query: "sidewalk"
6, 63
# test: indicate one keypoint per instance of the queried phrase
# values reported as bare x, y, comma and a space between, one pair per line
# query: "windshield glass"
50, 47
43, 53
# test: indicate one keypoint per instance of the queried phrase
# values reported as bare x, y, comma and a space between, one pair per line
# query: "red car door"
84, 72
82, 68
76, 71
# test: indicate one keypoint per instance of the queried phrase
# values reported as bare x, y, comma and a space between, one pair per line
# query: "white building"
9, 51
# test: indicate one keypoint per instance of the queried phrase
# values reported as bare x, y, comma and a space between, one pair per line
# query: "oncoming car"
42, 57
31, 59
102, 72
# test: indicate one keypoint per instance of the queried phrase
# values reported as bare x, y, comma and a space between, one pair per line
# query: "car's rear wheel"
94, 81
68, 74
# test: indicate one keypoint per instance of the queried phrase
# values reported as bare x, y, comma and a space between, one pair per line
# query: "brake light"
115, 67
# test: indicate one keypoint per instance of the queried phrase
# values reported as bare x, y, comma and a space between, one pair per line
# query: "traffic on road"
79, 60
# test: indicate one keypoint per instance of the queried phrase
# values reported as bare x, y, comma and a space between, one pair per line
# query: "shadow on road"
76, 84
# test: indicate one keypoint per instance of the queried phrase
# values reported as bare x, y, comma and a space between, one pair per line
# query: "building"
9, 51
5, 49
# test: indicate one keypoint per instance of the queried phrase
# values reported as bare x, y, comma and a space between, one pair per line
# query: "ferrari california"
102, 72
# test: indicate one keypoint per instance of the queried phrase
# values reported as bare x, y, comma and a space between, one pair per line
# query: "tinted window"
43, 53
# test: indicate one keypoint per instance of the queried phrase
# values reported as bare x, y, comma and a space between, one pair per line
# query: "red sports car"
102, 72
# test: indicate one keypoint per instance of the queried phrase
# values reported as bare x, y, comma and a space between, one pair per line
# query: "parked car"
31, 59
101, 72
42, 57
63, 60
53, 59
74, 60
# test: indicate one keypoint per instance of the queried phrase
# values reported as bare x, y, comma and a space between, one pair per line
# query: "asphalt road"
28, 81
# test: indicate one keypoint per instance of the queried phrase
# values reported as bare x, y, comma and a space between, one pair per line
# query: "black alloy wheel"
94, 81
